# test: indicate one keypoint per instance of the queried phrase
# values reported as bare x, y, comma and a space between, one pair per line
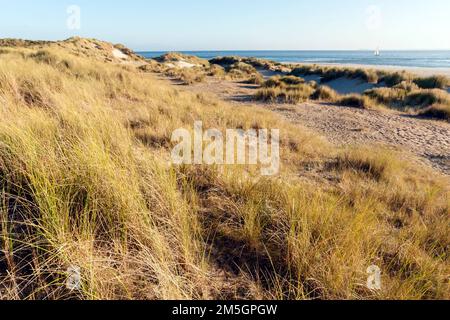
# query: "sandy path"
427, 139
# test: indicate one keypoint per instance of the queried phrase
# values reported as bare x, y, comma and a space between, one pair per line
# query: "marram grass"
85, 181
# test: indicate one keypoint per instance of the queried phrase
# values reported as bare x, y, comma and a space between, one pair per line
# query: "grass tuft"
437, 111
357, 101
434, 82
325, 93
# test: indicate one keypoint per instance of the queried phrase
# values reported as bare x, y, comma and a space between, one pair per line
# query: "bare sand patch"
347, 86
119, 54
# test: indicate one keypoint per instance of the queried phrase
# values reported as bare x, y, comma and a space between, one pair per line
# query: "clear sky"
236, 24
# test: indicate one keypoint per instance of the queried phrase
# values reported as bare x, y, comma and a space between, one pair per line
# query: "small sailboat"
377, 52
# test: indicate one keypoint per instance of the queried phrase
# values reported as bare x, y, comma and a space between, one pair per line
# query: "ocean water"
422, 59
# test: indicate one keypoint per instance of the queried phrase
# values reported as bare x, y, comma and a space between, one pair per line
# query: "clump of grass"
307, 70
368, 75
379, 165
242, 67
357, 101
393, 97
152, 66
176, 57
273, 82
331, 73
393, 79
241, 71
254, 62
283, 81
216, 70
191, 76
225, 61
236, 74
291, 80
406, 86
43, 56
406, 96
257, 79
292, 94
325, 93
433, 82
425, 98
436, 111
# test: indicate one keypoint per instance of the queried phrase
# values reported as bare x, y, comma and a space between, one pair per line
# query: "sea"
415, 59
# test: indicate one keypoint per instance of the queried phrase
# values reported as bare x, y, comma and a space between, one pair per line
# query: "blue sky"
237, 24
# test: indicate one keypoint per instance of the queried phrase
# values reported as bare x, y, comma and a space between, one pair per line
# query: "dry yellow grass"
84, 150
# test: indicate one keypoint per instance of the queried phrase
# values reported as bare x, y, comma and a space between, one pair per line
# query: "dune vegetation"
85, 142
404, 96
388, 78
402, 91
191, 69
293, 90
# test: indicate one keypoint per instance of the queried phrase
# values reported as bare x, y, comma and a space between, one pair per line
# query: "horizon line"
291, 50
